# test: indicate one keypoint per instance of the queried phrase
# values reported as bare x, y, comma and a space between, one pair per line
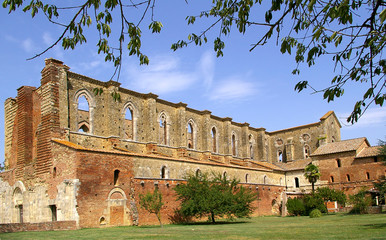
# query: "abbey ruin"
77, 157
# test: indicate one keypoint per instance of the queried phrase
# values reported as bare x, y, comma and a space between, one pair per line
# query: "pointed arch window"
214, 139
84, 107
234, 145
83, 110
129, 117
251, 152
163, 137
190, 135
128, 128
332, 179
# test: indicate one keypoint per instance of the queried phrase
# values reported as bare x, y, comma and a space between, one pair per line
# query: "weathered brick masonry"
79, 159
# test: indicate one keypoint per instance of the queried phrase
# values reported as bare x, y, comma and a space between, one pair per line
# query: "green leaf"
382, 15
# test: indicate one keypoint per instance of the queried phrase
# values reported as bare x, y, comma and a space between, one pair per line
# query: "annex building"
77, 157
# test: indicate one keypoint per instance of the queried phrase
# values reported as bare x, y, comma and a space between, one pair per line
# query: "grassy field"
338, 226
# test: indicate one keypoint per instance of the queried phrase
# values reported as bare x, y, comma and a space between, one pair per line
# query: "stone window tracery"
84, 104
191, 134
306, 151
163, 129
129, 121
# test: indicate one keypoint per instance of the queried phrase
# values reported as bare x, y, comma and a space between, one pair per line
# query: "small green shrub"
315, 213
295, 207
360, 202
314, 201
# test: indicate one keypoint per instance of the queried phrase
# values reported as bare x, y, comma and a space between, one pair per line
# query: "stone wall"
43, 226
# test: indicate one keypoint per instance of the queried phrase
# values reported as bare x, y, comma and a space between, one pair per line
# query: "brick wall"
44, 226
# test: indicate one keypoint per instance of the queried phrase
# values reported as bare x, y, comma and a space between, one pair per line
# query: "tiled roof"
266, 165
294, 165
336, 147
369, 152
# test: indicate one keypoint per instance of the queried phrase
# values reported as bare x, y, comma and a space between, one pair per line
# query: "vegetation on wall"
152, 202
213, 195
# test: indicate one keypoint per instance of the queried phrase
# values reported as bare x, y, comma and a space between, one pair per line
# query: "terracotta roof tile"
369, 152
336, 147
294, 165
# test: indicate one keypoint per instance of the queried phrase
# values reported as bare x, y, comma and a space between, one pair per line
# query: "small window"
306, 151
83, 128
297, 182
332, 179
224, 175
163, 172
54, 172
338, 163
367, 175
198, 172
246, 178
116, 177
265, 180
279, 156
348, 178
53, 213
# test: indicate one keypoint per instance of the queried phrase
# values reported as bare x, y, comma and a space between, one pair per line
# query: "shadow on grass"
375, 226
216, 223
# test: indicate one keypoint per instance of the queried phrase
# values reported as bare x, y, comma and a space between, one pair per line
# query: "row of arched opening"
85, 106
281, 154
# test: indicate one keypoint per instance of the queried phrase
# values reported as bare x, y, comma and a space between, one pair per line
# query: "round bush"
315, 213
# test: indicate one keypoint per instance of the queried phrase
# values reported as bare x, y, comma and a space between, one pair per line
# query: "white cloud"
161, 76
56, 50
207, 67
47, 39
233, 88
28, 45
372, 117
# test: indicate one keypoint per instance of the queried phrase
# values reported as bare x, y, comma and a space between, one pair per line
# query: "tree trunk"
313, 187
159, 219
212, 215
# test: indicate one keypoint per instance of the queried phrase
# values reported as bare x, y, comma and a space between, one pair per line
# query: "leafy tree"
382, 150
352, 33
214, 196
311, 173
329, 194
361, 201
314, 201
152, 202
380, 185
295, 207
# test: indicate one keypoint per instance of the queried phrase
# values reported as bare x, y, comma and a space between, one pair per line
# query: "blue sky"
255, 87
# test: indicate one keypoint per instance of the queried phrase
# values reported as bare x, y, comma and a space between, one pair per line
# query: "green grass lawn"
339, 226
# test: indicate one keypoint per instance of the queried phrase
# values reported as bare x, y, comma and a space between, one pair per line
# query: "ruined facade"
79, 151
